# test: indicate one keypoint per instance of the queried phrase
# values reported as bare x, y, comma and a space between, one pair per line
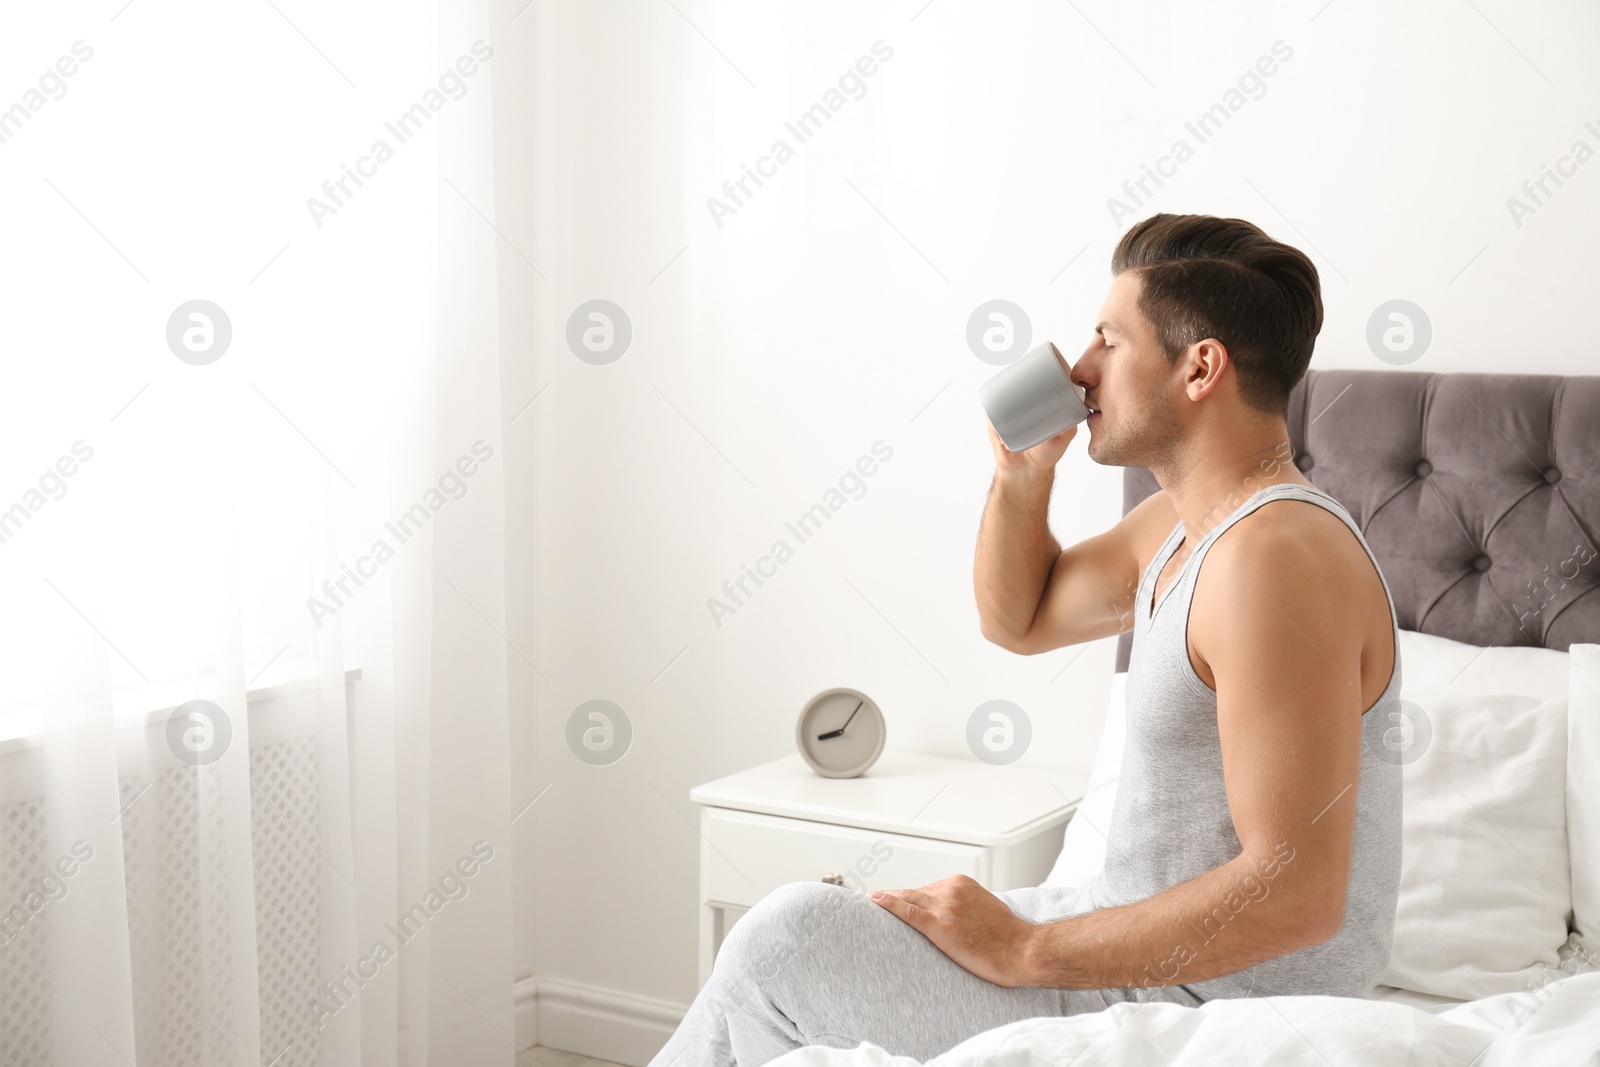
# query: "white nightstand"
908, 821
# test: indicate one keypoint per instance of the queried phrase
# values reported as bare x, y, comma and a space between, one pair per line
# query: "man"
1254, 848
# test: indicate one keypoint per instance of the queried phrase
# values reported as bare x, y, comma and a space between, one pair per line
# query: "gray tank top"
1171, 822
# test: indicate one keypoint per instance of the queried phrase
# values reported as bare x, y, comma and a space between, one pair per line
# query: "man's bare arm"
1016, 552
1188, 933
1032, 596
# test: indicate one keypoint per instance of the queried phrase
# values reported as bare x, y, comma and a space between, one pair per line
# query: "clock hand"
840, 730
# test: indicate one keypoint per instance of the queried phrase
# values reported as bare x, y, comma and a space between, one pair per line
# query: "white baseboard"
607, 1024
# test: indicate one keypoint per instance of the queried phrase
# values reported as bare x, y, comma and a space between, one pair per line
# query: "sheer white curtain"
253, 717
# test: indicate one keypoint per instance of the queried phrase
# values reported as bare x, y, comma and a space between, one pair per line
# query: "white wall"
776, 349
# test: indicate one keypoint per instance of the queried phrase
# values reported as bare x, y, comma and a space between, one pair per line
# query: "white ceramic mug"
1033, 399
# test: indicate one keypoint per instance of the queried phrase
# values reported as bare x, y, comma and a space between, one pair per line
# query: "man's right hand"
1040, 459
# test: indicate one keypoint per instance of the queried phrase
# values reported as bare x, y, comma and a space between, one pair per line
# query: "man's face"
1129, 383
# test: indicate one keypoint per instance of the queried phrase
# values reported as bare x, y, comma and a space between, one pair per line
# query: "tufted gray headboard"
1479, 494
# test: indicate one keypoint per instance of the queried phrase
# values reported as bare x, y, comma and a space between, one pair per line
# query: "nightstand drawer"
750, 855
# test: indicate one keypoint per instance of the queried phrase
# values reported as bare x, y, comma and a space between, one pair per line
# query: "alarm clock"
840, 733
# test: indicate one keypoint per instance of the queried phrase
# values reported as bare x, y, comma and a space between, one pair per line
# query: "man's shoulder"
1290, 533
1289, 560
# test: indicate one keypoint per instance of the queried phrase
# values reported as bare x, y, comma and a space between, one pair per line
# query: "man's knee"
781, 925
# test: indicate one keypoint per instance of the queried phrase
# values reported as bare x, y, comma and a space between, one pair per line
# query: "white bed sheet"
1557, 1024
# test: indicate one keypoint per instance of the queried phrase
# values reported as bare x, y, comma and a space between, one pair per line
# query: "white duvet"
1557, 1024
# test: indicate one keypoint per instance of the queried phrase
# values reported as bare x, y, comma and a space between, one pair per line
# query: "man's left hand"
969, 924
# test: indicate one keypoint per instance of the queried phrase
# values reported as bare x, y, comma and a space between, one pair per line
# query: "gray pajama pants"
819, 964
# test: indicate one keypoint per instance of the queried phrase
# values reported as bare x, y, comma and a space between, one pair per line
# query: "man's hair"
1224, 278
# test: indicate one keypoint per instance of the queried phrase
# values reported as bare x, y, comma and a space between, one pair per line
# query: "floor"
539, 1056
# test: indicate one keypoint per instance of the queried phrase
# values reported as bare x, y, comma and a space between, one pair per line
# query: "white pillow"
1485, 888
1083, 846
1430, 662
1583, 792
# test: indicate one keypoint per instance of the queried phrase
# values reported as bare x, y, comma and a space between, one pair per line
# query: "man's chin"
1102, 451
1108, 454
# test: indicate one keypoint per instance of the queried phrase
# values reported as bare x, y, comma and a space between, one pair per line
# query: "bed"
1480, 496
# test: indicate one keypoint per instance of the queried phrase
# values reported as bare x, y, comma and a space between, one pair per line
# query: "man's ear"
1208, 362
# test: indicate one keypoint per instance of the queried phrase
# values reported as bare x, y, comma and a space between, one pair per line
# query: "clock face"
840, 733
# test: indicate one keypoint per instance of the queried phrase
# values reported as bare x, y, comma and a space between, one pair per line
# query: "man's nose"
1083, 371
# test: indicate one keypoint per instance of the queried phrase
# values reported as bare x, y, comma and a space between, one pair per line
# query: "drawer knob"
833, 879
